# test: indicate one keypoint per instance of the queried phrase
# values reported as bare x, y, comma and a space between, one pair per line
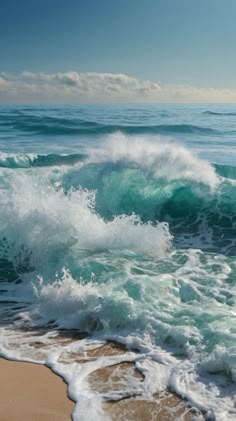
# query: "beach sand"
31, 392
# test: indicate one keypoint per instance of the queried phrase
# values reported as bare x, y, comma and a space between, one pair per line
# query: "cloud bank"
100, 87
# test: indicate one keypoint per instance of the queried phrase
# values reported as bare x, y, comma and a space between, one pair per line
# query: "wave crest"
164, 160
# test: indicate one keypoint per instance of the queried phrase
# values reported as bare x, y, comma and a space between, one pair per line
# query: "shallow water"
119, 221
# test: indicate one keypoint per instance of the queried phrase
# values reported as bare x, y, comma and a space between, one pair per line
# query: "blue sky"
172, 42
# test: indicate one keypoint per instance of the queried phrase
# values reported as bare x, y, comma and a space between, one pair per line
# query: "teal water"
120, 221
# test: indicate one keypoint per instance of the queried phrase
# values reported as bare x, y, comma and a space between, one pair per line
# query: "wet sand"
32, 392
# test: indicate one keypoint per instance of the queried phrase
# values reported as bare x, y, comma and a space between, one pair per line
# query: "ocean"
118, 222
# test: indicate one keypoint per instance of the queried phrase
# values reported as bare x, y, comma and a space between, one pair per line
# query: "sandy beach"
32, 392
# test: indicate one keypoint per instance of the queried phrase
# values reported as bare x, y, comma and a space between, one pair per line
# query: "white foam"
107, 308
44, 218
16, 160
163, 160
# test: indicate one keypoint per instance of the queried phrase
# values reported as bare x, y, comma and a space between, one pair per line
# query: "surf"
128, 238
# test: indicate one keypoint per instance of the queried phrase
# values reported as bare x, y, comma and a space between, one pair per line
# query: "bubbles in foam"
51, 223
85, 306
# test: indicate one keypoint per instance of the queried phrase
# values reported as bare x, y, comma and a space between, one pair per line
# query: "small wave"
214, 113
226, 171
34, 160
159, 129
49, 125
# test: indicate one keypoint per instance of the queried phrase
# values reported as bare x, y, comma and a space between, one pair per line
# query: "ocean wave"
154, 181
112, 245
39, 160
196, 217
46, 125
169, 161
226, 171
41, 222
222, 114
162, 160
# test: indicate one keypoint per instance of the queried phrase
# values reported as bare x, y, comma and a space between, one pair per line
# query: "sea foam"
160, 282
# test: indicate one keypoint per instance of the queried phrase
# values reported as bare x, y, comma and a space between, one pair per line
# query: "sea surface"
119, 221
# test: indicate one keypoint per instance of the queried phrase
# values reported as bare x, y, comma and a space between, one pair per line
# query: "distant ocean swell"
57, 126
132, 240
220, 114
37, 122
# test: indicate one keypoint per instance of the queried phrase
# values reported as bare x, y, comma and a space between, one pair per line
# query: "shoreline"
32, 391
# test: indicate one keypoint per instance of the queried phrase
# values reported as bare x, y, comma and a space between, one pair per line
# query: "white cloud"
4, 85
101, 87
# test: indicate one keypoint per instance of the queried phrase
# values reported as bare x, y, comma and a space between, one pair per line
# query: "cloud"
4, 85
100, 87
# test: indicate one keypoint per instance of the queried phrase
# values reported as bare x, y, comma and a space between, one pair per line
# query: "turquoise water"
120, 221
